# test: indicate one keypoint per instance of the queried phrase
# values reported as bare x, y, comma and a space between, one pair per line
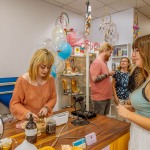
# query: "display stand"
70, 93
81, 75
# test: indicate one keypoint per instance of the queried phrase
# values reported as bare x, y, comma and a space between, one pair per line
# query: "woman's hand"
35, 117
44, 111
116, 100
123, 112
129, 107
111, 73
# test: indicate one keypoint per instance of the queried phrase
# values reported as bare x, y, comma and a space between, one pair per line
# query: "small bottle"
31, 130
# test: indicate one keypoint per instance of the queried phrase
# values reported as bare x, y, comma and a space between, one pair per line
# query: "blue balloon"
65, 51
53, 71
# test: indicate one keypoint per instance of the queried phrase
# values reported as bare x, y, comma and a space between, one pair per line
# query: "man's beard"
106, 58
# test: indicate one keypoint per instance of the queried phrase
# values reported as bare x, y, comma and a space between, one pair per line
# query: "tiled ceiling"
99, 7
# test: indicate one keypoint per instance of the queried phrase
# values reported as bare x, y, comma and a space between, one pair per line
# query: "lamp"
1, 127
79, 121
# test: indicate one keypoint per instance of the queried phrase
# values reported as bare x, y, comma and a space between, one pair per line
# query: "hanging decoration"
109, 29
58, 46
63, 20
88, 19
136, 26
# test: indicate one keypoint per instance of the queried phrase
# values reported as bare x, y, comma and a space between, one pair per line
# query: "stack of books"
118, 52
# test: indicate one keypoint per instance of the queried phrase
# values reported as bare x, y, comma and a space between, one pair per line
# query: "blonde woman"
120, 81
34, 91
140, 100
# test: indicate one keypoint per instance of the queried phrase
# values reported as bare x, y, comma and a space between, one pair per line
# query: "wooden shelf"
113, 57
72, 94
72, 75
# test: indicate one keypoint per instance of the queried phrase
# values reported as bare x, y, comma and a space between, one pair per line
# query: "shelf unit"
120, 51
69, 79
79, 75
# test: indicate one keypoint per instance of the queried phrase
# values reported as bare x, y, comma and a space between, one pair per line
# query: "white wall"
24, 24
124, 23
144, 24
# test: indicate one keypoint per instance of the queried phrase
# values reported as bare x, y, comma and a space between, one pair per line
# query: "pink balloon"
74, 39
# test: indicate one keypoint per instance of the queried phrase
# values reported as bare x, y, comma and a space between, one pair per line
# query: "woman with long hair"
120, 81
140, 100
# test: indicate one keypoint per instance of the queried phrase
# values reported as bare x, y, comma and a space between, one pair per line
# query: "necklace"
39, 83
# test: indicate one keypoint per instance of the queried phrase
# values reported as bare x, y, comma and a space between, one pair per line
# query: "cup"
5, 144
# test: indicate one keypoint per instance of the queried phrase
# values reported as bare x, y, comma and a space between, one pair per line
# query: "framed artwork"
77, 50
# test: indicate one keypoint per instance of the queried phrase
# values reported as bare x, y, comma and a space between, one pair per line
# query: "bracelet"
46, 108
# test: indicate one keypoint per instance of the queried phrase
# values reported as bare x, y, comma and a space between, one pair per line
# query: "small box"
61, 118
90, 138
80, 143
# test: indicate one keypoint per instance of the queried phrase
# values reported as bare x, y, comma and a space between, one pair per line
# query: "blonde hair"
105, 47
41, 56
129, 67
143, 45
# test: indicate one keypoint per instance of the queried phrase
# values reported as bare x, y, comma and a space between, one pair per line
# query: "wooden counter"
110, 130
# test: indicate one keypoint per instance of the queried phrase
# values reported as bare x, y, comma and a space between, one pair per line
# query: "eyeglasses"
124, 61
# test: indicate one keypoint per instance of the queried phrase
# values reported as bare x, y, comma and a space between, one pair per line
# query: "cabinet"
73, 79
120, 51
71, 86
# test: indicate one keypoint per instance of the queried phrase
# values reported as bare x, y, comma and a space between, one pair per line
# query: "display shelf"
73, 74
117, 57
119, 51
71, 87
72, 94
73, 79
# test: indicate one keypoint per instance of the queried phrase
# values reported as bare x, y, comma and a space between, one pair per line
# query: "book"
119, 52
124, 52
115, 52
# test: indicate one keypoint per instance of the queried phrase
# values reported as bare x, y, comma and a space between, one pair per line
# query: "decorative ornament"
88, 19
109, 29
67, 31
63, 20
135, 26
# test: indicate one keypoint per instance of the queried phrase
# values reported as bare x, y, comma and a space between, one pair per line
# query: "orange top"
29, 98
101, 90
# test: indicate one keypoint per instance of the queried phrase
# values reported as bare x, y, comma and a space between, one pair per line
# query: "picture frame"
77, 50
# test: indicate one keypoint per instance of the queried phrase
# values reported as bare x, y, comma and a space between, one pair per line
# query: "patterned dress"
122, 79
